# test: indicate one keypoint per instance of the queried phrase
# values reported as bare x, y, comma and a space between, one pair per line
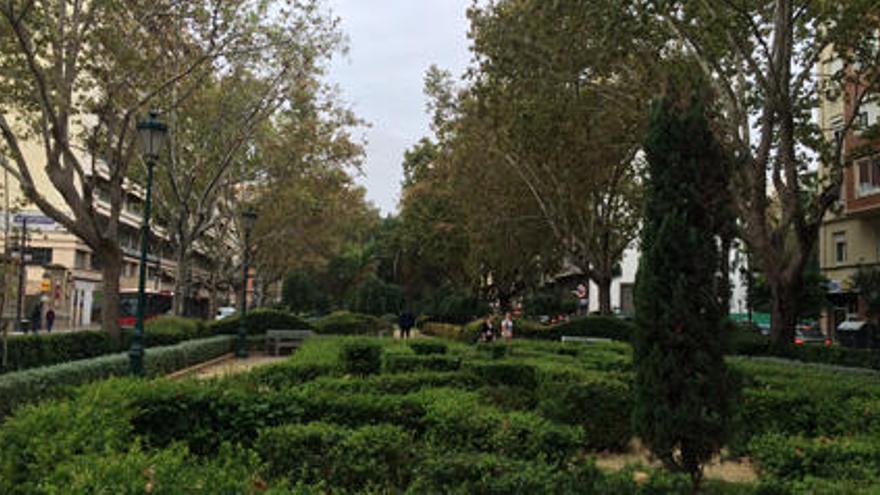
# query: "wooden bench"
585, 340
281, 339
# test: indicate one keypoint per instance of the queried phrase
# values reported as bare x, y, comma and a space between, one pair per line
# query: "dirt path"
734, 471
228, 365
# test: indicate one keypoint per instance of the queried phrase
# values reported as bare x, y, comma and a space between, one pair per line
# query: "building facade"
849, 237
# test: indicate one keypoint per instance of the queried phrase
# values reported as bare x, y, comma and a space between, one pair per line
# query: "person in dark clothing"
37, 317
50, 319
487, 330
406, 321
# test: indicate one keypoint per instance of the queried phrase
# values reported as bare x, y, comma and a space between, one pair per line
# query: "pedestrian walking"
583, 297
507, 327
50, 319
487, 330
406, 321
37, 317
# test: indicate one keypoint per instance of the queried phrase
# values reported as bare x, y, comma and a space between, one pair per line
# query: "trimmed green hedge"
257, 321
35, 384
406, 363
46, 349
745, 343
348, 323
31, 351
449, 331
605, 327
798, 458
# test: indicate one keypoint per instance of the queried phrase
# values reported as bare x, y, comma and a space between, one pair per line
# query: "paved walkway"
228, 365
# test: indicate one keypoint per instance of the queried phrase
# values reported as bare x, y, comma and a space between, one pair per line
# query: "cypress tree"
683, 404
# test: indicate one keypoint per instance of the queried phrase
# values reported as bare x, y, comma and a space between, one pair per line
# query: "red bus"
158, 304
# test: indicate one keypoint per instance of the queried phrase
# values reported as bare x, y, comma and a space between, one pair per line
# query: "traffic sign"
32, 219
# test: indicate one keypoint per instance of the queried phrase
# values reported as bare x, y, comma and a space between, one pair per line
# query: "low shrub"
489, 473
601, 406
170, 330
798, 458
231, 470
424, 347
361, 357
377, 456
299, 451
39, 383
509, 398
402, 383
512, 374
606, 327
494, 350
31, 351
347, 323
405, 363
450, 331
258, 321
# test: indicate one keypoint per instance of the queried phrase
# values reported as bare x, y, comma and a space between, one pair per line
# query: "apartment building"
63, 273
849, 237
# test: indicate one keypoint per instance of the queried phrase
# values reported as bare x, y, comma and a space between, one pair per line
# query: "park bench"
585, 340
281, 339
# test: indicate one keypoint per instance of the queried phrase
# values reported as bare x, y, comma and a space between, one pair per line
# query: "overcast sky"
392, 43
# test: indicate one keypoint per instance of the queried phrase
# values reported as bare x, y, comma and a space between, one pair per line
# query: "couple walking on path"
488, 332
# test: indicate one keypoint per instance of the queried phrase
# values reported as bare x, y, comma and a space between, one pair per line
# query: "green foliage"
603, 327
467, 334
347, 323
601, 406
683, 394
456, 307
375, 297
504, 373
361, 357
258, 321
425, 347
550, 303
799, 458
35, 384
31, 351
300, 294
524, 422
404, 363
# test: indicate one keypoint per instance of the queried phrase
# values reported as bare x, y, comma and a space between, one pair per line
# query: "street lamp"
248, 219
151, 132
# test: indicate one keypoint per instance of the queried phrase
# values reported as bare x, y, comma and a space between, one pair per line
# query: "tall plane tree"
769, 63
78, 75
562, 111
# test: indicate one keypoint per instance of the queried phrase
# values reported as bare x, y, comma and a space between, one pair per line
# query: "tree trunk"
783, 313
181, 281
111, 256
604, 283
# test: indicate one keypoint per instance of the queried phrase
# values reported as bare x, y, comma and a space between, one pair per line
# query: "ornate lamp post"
248, 219
151, 132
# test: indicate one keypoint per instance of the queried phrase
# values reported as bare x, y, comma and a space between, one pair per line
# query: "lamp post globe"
151, 133
248, 220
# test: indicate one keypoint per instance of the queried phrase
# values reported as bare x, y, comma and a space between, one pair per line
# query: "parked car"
810, 334
224, 312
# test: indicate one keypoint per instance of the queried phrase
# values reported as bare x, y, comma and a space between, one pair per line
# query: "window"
80, 260
869, 175
840, 247
863, 120
41, 256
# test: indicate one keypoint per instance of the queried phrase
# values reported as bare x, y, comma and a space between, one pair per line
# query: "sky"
392, 44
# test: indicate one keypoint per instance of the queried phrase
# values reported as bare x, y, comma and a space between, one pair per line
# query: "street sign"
32, 219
